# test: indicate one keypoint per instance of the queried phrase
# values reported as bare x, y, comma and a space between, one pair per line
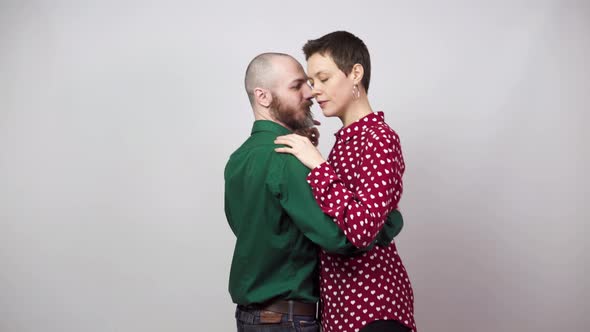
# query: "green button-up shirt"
271, 210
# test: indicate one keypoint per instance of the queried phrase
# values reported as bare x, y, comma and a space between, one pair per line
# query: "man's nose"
307, 92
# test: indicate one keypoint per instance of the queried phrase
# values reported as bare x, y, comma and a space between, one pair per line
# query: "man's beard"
290, 116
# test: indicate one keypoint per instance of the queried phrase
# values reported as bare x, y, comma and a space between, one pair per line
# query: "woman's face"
331, 88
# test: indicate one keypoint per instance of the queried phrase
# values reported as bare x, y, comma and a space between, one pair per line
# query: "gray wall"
116, 120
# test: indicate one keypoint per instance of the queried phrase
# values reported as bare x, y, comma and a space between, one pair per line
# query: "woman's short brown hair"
345, 49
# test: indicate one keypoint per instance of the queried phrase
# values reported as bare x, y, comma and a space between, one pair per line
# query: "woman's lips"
322, 103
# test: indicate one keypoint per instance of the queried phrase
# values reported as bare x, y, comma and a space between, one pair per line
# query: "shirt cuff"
320, 178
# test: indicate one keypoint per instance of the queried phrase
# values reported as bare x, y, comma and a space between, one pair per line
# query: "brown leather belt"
293, 307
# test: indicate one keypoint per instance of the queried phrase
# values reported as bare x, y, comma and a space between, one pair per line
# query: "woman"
359, 184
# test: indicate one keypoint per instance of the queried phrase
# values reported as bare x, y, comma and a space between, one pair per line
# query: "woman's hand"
302, 148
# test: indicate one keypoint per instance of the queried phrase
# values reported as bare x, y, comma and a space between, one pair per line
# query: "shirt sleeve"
377, 173
298, 202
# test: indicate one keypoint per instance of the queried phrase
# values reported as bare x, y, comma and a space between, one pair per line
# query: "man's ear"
357, 73
263, 97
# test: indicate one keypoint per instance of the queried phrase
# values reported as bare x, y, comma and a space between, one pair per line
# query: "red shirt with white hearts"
359, 185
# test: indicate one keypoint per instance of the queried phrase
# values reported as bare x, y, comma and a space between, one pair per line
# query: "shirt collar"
357, 127
267, 125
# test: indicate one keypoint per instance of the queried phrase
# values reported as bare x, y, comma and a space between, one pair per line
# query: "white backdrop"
117, 118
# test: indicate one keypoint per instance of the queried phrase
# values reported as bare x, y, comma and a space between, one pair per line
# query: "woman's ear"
357, 73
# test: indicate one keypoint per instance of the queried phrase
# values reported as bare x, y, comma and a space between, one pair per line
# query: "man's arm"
392, 227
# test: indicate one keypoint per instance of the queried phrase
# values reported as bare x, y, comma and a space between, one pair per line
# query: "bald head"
262, 72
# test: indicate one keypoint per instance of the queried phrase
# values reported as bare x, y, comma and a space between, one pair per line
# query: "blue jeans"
248, 320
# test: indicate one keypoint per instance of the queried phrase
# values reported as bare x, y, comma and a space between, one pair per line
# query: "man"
271, 210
